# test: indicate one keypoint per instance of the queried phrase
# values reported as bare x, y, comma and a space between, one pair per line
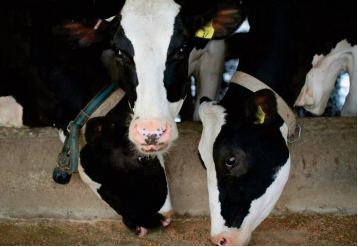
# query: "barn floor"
293, 229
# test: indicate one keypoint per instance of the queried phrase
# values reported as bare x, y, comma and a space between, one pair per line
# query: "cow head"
151, 49
243, 147
316, 91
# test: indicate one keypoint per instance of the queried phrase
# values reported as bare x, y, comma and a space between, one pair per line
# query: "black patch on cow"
176, 66
134, 186
247, 156
122, 62
121, 42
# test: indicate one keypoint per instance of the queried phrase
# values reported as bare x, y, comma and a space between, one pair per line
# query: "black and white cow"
243, 147
133, 185
152, 42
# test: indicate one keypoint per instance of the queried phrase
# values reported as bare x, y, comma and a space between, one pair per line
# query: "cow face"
152, 45
133, 185
243, 147
313, 96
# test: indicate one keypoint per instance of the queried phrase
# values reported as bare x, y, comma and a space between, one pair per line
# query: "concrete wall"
323, 174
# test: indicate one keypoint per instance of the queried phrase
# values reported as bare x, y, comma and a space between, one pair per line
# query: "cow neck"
253, 84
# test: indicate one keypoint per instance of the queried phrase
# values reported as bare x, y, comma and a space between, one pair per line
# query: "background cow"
320, 80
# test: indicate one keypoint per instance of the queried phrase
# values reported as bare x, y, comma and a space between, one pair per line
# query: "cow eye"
118, 53
230, 162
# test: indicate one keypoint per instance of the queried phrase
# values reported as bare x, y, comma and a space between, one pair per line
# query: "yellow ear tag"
207, 32
260, 116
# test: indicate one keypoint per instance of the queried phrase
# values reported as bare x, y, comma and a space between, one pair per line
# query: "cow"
10, 112
152, 45
207, 66
243, 147
321, 78
284, 36
133, 185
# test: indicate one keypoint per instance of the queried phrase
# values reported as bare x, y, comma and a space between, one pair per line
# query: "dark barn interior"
53, 69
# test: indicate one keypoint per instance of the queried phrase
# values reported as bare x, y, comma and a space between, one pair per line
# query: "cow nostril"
222, 242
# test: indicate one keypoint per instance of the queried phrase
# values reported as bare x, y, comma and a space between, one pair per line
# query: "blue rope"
67, 160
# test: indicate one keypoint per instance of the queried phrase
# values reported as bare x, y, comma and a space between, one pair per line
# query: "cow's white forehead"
149, 26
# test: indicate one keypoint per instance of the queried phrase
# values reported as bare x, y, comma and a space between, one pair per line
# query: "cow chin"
153, 149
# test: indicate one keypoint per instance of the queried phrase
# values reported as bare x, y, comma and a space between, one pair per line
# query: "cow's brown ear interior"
228, 18
222, 16
262, 108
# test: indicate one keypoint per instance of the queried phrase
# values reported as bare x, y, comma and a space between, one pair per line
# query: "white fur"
174, 108
213, 118
10, 112
167, 206
149, 26
61, 135
321, 78
207, 66
94, 186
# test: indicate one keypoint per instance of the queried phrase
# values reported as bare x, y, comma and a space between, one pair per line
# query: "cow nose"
231, 237
222, 240
150, 135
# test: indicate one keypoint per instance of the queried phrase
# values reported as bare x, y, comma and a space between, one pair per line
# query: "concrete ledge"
323, 175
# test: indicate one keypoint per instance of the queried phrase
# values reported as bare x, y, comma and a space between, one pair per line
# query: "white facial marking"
149, 26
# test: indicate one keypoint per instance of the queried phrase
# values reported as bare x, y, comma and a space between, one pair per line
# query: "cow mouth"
151, 148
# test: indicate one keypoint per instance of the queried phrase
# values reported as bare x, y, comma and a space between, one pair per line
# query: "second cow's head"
152, 43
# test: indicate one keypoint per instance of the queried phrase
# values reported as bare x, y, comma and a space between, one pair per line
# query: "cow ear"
211, 19
227, 18
262, 107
